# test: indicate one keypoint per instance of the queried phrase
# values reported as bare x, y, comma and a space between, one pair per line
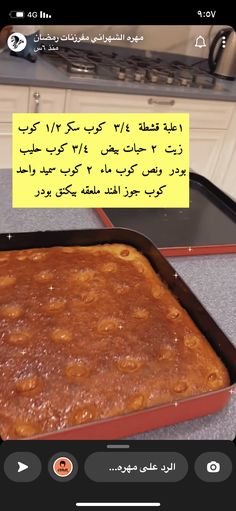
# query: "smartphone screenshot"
117, 260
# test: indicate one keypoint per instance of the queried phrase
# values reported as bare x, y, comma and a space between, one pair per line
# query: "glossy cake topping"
88, 333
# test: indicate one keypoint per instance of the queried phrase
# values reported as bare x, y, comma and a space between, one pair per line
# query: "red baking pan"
208, 226
157, 416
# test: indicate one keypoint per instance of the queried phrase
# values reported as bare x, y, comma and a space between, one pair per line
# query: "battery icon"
17, 14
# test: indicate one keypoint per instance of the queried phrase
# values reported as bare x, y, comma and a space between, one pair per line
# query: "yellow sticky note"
100, 160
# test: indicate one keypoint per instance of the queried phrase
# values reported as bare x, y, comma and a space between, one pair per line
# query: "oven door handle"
169, 102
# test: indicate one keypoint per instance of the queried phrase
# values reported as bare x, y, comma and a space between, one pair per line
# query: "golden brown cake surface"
92, 332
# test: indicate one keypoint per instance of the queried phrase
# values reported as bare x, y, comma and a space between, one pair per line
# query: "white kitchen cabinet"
228, 183
5, 145
225, 169
227, 180
12, 99
91, 102
203, 114
45, 100
205, 147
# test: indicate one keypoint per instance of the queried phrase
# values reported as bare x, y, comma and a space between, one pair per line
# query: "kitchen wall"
173, 39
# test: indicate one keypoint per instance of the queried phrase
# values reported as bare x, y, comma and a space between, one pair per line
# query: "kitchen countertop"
212, 279
18, 71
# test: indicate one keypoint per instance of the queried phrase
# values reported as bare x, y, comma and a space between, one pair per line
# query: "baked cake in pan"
88, 333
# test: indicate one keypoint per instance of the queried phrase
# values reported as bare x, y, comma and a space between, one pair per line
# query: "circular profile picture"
63, 467
16, 41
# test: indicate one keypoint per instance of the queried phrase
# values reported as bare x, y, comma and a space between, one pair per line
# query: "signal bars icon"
43, 14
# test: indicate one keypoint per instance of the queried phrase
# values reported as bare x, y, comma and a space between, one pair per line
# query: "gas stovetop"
137, 69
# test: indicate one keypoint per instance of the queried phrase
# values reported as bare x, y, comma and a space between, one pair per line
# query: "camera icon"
213, 467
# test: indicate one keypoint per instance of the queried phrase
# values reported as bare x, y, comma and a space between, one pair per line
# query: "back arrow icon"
21, 466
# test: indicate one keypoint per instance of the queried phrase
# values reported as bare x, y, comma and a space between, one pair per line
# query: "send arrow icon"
21, 466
